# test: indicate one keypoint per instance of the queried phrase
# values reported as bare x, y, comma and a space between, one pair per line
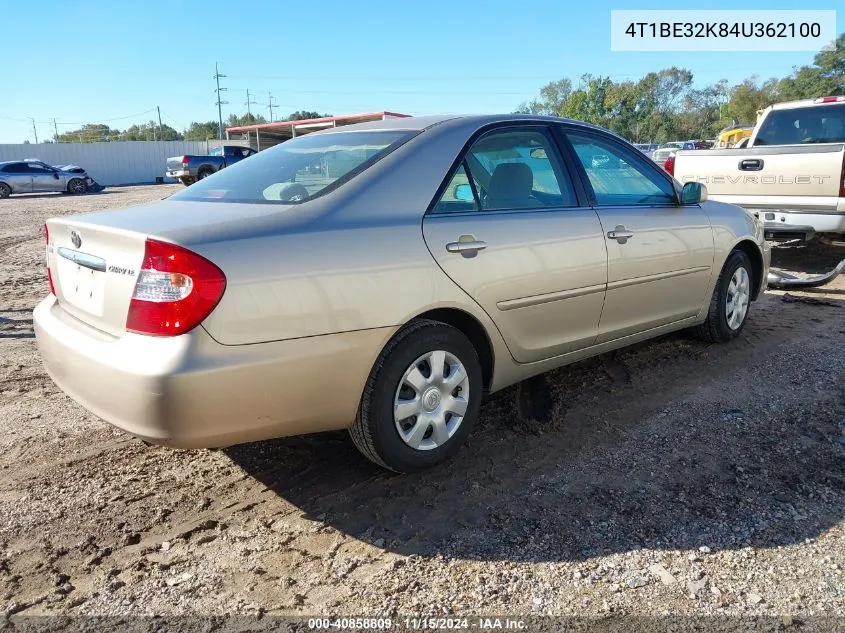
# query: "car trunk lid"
175, 162
753, 175
95, 259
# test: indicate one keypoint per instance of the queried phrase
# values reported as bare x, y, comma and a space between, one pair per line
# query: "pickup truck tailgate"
768, 175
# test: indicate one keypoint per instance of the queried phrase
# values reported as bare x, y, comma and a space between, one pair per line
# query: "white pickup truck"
791, 174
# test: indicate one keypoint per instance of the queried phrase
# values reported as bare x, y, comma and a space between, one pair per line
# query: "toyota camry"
383, 278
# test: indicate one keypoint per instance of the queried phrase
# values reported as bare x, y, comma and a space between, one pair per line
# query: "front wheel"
731, 299
77, 186
5, 190
421, 398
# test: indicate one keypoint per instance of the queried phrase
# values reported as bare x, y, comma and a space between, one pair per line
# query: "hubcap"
739, 295
431, 400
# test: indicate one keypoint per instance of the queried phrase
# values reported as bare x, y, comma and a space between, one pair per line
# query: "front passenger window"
618, 178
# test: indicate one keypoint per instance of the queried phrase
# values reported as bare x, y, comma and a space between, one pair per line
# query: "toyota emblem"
76, 239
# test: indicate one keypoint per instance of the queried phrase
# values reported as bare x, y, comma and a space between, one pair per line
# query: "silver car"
383, 277
34, 176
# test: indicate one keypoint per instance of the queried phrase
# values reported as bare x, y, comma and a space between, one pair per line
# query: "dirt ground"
674, 479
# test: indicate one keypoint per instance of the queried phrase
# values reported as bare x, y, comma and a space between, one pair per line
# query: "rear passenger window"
458, 195
617, 177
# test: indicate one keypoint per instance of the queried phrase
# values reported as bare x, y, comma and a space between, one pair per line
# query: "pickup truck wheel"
204, 173
77, 186
421, 399
5, 190
731, 299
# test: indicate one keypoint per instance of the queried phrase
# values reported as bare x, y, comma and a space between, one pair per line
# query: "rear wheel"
204, 173
421, 398
5, 190
77, 186
731, 299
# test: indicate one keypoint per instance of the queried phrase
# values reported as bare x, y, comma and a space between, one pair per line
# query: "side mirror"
693, 193
463, 193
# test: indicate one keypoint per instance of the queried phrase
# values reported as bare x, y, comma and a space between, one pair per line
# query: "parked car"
28, 176
663, 152
189, 169
646, 148
427, 262
791, 173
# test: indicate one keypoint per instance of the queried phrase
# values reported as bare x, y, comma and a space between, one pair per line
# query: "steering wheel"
293, 192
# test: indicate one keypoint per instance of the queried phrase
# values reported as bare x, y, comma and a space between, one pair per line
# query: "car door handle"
620, 234
466, 247
751, 164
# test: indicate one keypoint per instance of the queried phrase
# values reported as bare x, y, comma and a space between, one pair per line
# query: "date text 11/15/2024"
417, 624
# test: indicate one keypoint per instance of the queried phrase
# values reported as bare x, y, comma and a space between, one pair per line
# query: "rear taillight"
829, 100
176, 289
47, 259
842, 182
185, 160
669, 165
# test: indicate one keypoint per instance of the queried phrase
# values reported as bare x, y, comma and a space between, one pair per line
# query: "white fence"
115, 163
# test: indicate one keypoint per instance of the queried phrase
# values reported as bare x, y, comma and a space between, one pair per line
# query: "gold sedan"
382, 277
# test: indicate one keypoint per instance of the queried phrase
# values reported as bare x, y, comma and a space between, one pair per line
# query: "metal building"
263, 135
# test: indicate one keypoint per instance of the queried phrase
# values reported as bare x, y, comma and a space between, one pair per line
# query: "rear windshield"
814, 124
296, 170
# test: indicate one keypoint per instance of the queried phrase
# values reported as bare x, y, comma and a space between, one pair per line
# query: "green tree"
245, 119
150, 132
90, 133
666, 106
201, 131
301, 115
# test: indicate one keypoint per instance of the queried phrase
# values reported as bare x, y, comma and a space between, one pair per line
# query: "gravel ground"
673, 478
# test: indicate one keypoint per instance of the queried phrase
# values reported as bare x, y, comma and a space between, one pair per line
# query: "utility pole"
248, 103
34, 131
56, 129
220, 103
160, 131
270, 105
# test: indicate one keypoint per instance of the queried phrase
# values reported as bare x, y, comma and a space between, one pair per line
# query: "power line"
220, 103
249, 102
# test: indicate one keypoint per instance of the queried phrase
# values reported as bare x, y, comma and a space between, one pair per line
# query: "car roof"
419, 123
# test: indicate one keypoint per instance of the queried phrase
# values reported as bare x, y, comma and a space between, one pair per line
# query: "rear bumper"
778, 232
178, 173
833, 222
192, 392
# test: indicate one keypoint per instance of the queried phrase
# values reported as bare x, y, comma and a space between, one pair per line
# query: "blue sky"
107, 61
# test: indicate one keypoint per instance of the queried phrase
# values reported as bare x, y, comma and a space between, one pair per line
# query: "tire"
204, 173
5, 190
77, 186
723, 323
188, 180
376, 431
